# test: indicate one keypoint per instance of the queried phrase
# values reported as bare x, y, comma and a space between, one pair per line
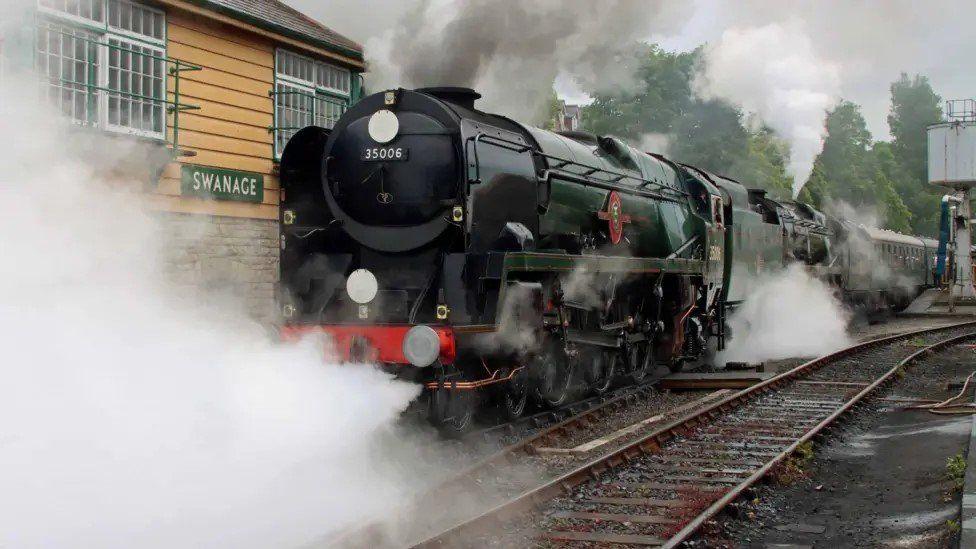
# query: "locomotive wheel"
452, 411
554, 382
640, 363
515, 395
599, 366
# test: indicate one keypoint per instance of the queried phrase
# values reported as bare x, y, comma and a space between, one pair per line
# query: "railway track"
659, 487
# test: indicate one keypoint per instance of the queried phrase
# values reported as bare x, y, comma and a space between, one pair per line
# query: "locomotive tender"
489, 260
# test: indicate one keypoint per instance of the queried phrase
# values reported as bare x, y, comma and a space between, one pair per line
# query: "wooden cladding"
230, 131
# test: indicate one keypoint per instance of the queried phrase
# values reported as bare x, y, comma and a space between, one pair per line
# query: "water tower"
952, 164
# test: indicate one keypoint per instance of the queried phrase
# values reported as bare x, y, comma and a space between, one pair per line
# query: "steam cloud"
132, 415
787, 314
774, 72
511, 51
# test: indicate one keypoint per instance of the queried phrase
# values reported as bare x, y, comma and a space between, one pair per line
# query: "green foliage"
853, 169
553, 111
764, 163
804, 452
955, 471
889, 178
664, 96
914, 106
707, 133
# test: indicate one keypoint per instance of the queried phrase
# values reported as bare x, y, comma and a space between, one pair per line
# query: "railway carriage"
884, 269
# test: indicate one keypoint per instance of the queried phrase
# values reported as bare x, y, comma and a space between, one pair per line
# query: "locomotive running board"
590, 338
538, 261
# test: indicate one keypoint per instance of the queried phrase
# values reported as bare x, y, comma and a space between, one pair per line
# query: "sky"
862, 46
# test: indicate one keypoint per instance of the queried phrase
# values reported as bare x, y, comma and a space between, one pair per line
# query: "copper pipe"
469, 385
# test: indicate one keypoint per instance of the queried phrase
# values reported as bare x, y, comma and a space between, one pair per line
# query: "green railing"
301, 109
92, 89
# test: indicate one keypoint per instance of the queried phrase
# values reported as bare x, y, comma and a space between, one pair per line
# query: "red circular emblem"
615, 217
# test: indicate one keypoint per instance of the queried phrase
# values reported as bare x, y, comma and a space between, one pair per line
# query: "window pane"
293, 111
136, 18
136, 96
332, 78
66, 61
85, 9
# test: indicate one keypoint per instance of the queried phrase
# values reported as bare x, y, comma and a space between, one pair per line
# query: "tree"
856, 171
914, 106
764, 164
709, 134
663, 95
554, 109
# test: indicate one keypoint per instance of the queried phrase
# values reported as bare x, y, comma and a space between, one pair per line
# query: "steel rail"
561, 420
737, 491
653, 442
526, 445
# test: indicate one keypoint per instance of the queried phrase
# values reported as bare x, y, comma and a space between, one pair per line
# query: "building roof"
278, 17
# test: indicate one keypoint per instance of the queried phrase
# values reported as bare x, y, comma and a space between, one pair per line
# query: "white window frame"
105, 97
320, 93
70, 17
102, 31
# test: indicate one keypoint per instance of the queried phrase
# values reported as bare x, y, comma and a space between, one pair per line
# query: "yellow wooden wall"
231, 128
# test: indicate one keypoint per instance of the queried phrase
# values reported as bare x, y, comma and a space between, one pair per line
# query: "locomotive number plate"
385, 154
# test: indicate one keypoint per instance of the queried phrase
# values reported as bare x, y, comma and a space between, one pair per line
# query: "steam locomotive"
496, 263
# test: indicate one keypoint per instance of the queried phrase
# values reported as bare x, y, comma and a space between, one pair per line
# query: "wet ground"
881, 480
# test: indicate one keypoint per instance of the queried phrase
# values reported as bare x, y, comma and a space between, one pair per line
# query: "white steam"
774, 72
787, 314
658, 143
131, 415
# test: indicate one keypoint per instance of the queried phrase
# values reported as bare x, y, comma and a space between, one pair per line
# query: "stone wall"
225, 256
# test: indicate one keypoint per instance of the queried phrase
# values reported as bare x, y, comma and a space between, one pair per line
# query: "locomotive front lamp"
383, 126
361, 286
421, 346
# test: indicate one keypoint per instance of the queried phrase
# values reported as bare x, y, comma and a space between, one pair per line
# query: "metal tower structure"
952, 164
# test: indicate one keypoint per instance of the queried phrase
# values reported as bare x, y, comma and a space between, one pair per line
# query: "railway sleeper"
716, 461
600, 537
614, 517
821, 399
794, 406
751, 438
736, 430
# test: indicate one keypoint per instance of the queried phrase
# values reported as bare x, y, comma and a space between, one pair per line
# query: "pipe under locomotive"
489, 260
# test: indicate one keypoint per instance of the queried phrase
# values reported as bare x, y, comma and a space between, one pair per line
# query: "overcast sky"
861, 46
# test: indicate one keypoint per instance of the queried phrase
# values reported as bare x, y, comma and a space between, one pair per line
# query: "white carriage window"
135, 80
114, 78
307, 92
66, 61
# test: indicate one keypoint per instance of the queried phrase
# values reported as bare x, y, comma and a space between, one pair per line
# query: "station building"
208, 92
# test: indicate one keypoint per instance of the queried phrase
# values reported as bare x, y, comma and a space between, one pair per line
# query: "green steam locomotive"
499, 264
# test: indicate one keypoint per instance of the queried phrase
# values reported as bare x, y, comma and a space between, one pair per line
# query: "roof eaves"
281, 29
